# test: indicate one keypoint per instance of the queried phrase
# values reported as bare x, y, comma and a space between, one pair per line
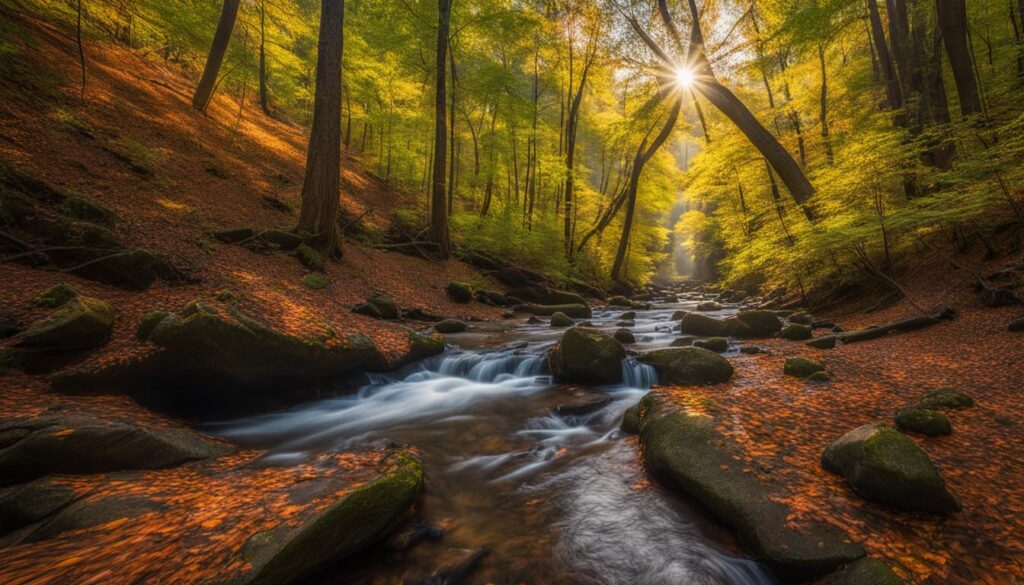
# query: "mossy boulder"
32, 502
801, 318
688, 365
883, 465
586, 356
85, 210
313, 541
708, 306
945, 398
451, 326
384, 305
77, 443
460, 292
55, 296
801, 367
555, 296
310, 258
866, 571
149, 322
924, 421
133, 269
715, 344
761, 323
697, 324
574, 311
678, 315
619, 301
825, 342
687, 451
628, 315
796, 332
560, 319
624, 336
79, 323
819, 376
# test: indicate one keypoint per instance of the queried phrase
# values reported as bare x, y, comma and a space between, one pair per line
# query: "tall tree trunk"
641, 159
438, 213
216, 57
320, 187
823, 112
953, 24
570, 152
894, 97
452, 147
264, 98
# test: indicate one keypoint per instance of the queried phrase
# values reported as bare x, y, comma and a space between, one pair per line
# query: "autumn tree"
214, 59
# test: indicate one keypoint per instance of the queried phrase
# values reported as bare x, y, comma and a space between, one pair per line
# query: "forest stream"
554, 497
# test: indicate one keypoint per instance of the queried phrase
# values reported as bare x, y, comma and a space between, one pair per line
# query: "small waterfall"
637, 375
491, 367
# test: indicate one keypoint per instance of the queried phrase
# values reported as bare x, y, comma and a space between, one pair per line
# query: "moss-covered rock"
619, 301
801, 318
628, 315
315, 281
149, 322
688, 365
451, 326
574, 311
751, 350
678, 315
945, 398
924, 421
77, 443
310, 258
708, 306
32, 502
80, 323
689, 453
460, 292
796, 332
555, 296
715, 344
883, 465
624, 336
385, 306
134, 269
801, 367
819, 376
586, 356
55, 296
866, 571
294, 550
560, 319
85, 210
825, 342
697, 324
761, 323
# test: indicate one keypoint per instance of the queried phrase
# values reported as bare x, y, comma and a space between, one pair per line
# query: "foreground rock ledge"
210, 357
229, 520
686, 450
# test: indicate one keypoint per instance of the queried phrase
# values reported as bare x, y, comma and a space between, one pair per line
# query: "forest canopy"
795, 142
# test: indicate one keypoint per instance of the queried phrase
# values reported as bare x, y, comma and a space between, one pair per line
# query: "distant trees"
204, 91
320, 187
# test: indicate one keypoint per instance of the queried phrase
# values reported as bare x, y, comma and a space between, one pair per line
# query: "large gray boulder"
587, 356
883, 465
79, 443
688, 365
689, 453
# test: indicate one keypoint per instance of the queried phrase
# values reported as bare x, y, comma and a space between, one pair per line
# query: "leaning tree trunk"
438, 208
953, 25
570, 156
641, 159
320, 187
213, 61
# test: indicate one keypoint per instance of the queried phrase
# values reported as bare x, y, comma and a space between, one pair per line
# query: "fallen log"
912, 324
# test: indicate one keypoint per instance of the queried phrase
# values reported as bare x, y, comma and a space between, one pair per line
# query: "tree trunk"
894, 97
823, 113
953, 24
452, 147
641, 159
570, 148
264, 98
213, 61
320, 187
438, 213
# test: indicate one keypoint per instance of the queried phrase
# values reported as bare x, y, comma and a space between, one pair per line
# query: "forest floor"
214, 171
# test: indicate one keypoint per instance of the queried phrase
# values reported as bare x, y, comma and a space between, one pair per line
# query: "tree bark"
264, 97
823, 112
438, 213
204, 91
894, 97
953, 25
570, 151
320, 187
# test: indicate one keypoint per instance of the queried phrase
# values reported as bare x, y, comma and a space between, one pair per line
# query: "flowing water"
555, 498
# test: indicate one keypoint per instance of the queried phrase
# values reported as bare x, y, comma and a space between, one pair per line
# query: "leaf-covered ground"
783, 424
